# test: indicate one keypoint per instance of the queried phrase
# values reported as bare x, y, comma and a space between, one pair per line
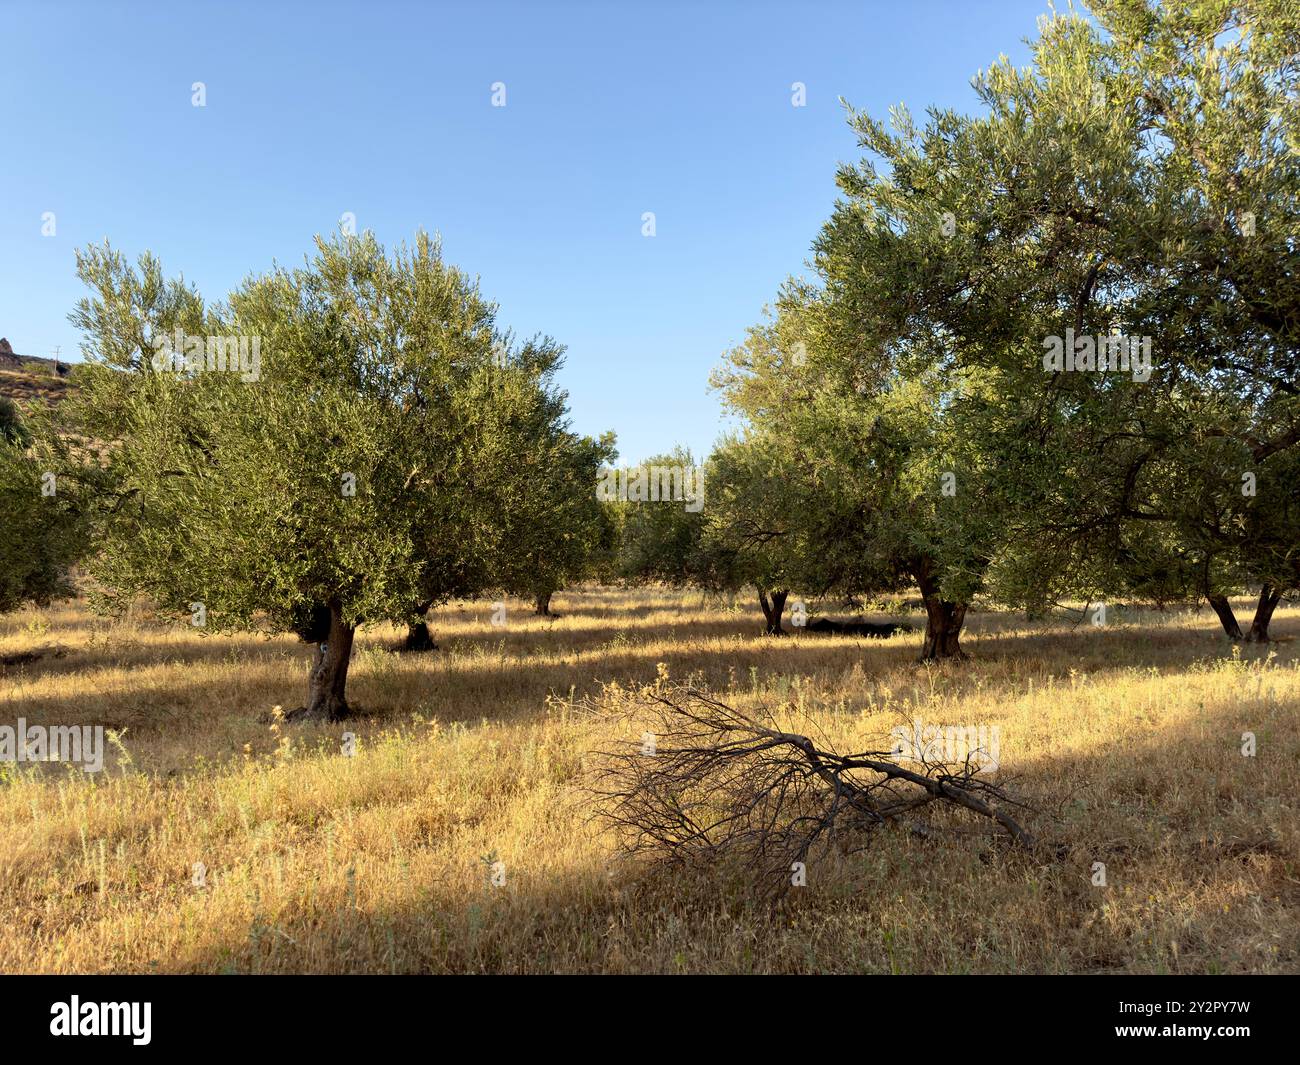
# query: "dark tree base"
1258, 632
944, 656
418, 639
1226, 616
1268, 600
943, 624
773, 608
327, 681
320, 713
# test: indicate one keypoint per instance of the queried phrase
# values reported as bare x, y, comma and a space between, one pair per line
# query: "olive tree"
319, 451
557, 527
1132, 185
658, 535
41, 532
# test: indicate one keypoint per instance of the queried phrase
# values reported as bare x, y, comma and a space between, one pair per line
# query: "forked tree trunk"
327, 682
418, 636
1226, 616
543, 605
943, 619
1268, 600
773, 608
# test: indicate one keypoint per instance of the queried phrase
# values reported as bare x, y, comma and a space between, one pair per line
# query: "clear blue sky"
384, 110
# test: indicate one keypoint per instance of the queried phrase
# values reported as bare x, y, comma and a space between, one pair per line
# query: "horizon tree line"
900, 423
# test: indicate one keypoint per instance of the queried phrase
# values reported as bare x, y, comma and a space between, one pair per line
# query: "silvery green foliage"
377, 373
558, 532
659, 541
41, 534
1140, 177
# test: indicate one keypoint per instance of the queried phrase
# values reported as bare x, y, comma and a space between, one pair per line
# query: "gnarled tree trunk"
943, 619
1268, 600
773, 608
943, 622
1226, 617
418, 636
543, 605
327, 682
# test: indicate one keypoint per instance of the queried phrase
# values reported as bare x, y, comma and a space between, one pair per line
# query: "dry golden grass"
1127, 738
29, 386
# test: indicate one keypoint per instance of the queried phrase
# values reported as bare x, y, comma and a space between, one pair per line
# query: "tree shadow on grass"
1198, 879
1197, 841
225, 688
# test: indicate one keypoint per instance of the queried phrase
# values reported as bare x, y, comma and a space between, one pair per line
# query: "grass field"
1127, 740
32, 385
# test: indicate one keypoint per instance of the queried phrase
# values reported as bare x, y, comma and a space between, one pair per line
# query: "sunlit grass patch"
216, 840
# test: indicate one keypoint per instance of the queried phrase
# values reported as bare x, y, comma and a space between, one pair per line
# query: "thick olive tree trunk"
418, 636
542, 604
943, 622
327, 682
773, 608
943, 619
1226, 616
1268, 600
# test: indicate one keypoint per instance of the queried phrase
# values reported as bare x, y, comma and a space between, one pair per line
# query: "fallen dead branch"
708, 782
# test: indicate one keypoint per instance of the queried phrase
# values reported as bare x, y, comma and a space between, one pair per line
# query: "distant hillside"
30, 379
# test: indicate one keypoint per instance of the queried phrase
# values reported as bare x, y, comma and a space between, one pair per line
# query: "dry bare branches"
709, 782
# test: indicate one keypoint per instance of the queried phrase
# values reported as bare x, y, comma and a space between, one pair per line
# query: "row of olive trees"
376, 446
904, 422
